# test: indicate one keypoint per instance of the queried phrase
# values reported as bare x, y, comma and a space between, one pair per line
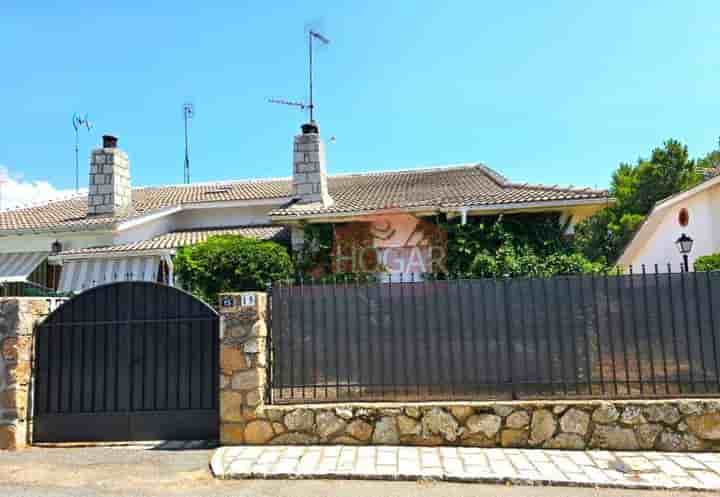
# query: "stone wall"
670, 425
18, 317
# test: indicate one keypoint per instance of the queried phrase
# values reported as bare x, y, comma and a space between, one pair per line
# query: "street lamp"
684, 245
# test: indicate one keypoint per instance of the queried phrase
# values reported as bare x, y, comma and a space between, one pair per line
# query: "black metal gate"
127, 361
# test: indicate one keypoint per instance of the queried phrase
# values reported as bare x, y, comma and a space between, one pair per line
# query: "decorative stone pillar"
243, 368
18, 317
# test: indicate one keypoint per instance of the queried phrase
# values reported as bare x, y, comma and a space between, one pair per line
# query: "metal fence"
647, 334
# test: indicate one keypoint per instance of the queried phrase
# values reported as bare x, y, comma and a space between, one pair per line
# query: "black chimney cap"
110, 141
310, 128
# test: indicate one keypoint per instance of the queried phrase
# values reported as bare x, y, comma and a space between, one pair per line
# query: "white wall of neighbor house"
43, 242
664, 227
223, 216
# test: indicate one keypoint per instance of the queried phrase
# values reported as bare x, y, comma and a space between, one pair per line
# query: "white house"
119, 232
695, 212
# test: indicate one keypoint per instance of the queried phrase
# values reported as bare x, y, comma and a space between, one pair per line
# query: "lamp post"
684, 245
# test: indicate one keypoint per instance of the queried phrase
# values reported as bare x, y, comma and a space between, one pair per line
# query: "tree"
636, 189
231, 263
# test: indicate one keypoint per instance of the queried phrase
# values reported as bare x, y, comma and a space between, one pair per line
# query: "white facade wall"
703, 227
183, 220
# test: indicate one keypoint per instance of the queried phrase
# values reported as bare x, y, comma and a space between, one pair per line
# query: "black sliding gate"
127, 361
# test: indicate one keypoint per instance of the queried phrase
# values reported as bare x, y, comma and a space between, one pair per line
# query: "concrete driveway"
141, 471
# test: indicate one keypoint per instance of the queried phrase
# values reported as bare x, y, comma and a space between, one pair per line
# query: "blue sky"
549, 92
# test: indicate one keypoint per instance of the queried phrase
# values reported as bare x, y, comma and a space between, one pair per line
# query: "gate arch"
129, 360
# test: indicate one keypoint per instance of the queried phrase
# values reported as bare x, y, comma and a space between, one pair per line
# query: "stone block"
258, 432
245, 380
231, 406
705, 426
12, 437
486, 424
359, 430
386, 432
575, 421
542, 427
232, 433
300, 420
514, 438
518, 419
614, 438
232, 359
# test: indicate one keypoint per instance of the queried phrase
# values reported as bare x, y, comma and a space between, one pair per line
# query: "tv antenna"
312, 35
188, 113
79, 122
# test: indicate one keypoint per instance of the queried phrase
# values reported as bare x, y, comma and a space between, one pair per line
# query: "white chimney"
109, 191
309, 173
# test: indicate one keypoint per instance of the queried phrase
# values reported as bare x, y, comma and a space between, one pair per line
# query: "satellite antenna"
79, 122
188, 113
312, 35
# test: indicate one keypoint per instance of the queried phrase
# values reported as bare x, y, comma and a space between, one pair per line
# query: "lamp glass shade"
684, 244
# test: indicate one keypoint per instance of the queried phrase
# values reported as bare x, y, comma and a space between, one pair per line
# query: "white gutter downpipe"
463, 216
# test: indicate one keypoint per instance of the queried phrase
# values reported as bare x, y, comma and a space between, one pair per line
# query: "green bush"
708, 263
230, 263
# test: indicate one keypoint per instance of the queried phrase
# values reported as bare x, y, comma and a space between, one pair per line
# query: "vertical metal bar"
303, 372
291, 320
699, 321
508, 339
674, 330
404, 347
633, 311
270, 344
647, 329
596, 324
611, 333
391, 340
348, 350
358, 330
486, 334
585, 334
558, 321
523, 333
371, 356
326, 311
683, 294
313, 338
381, 336
714, 332
473, 335
571, 322
536, 334
450, 335
416, 332
548, 336
661, 327
438, 341
622, 332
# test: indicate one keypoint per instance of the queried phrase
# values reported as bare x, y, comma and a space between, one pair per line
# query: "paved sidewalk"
652, 470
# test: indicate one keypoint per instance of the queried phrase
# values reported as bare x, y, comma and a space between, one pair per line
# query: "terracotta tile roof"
177, 239
464, 185
71, 213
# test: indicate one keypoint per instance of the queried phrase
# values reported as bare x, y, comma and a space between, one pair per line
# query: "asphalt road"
138, 472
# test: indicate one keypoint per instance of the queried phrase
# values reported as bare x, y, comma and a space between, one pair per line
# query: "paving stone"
592, 468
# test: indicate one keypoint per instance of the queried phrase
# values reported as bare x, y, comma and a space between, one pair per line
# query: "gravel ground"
140, 471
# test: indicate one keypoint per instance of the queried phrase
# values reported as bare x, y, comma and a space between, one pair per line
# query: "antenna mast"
188, 113
312, 35
79, 122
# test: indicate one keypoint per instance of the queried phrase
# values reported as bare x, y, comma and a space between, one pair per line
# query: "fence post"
243, 368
